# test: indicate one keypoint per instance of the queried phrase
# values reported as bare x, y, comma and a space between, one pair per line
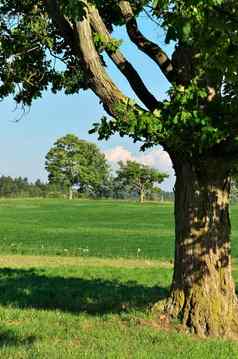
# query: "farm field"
110, 229
74, 285
86, 228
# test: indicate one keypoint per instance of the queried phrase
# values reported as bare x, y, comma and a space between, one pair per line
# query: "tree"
138, 177
74, 162
197, 123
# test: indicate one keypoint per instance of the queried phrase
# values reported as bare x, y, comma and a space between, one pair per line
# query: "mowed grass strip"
19, 261
52, 310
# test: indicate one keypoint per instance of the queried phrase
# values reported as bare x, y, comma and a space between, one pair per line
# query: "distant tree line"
76, 169
21, 187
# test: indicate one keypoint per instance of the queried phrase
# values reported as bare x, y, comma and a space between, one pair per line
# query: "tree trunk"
142, 196
70, 193
203, 293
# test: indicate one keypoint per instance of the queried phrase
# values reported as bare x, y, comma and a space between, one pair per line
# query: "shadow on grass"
9, 338
27, 289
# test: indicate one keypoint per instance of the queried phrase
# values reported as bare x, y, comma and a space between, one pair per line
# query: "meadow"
88, 228
74, 285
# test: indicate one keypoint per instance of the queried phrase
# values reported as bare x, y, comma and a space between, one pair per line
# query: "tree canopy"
34, 33
74, 162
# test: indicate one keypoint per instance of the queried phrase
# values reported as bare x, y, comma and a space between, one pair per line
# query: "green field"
88, 228
91, 228
74, 285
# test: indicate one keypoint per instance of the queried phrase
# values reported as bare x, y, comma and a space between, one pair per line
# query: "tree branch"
79, 37
60, 22
122, 64
148, 47
98, 79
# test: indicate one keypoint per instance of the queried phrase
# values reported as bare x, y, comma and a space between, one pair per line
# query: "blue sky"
24, 144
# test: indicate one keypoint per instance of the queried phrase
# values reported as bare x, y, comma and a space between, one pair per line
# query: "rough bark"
98, 79
203, 292
79, 37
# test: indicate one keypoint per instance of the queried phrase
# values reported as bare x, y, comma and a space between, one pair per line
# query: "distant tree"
138, 177
74, 162
234, 192
106, 189
120, 190
6, 186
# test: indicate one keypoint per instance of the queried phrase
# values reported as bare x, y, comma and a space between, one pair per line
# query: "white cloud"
157, 158
119, 153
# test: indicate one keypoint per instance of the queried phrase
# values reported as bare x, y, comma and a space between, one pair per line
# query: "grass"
86, 228
111, 229
49, 310
74, 285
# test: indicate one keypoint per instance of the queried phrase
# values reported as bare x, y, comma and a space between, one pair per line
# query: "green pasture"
86, 228
74, 284
91, 228
70, 308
